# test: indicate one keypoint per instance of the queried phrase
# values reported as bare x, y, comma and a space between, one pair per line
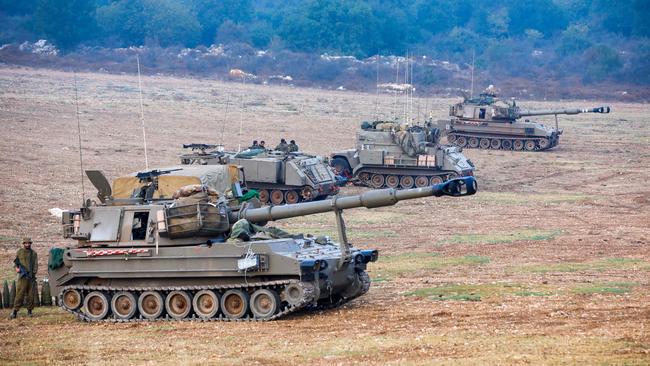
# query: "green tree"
211, 14
167, 22
602, 62
66, 23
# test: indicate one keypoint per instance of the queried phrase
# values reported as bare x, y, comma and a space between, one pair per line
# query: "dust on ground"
549, 263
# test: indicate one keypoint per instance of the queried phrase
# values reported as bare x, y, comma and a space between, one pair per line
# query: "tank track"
304, 304
306, 299
367, 178
504, 143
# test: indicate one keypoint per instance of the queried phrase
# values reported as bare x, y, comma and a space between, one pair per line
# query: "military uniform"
283, 146
293, 147
26, 266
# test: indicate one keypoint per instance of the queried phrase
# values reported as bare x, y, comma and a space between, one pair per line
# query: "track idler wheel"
178, 304
277, 197
72, 299
377, 181
235, 303
150, 304
392, 181
530, 145
406, 181
421, 181
264, 303
205, 304
96, 305
291, 197
518, 145
124, 305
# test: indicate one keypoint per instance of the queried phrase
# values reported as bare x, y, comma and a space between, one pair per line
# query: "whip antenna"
472, 90
81, 161
144, 135
225, 120
241, 114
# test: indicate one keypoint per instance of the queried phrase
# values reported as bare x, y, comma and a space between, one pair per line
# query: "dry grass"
555, 244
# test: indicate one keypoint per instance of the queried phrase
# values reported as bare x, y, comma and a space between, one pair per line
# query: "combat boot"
13, 314
29, 313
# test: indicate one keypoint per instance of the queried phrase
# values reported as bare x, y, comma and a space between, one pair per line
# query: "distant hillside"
561, 48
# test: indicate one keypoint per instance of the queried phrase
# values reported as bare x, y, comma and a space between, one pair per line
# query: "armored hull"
396, 156
486, 122
208, 258
279, 177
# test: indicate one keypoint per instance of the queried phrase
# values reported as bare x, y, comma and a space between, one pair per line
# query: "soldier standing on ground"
26, 267
283, 146
292, 146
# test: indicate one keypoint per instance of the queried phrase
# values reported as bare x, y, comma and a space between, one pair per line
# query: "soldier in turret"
292, 146
283, 146
26, 265
254, 146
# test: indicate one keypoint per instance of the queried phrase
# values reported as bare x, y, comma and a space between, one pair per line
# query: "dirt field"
548, 264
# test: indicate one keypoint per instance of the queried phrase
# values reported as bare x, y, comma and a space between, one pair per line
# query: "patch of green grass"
512, 198
532, 293
598, 266
498, 238
9, 238
390, 266
460, 292
616, 288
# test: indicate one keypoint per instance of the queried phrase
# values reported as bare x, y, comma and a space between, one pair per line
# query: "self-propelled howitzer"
489, 123
191, 258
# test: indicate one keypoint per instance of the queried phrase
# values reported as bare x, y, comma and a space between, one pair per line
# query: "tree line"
601, 38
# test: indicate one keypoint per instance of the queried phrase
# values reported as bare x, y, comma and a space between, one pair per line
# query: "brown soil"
555, 245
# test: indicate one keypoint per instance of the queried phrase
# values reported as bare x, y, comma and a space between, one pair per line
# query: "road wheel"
377, 181
234, 304
506, 145
461, 141
406, 181
178, 304
277, 197
435, 180
392, 181
72, 299
264, 196
495, 144
150, 304
518, 145
205, 304
341, 167
264, 303
364, 178
451, 138
421, 181
544, 144
530, 145
485, 143
473, 142
292, 196
123, 305
96, 305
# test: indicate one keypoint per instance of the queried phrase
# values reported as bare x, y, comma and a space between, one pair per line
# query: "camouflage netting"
413, 142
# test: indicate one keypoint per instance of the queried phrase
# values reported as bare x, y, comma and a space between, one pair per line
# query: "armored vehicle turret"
201, 254
391, 154
489, 123
280, 177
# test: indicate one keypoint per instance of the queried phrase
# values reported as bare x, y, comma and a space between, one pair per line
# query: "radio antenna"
144, 134
225, 120
81, 161
241, 113
472, 90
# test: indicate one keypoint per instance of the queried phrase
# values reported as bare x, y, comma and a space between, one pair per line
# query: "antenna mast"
81, 161
377, 90
241, 113
144, 135
472, 90
225, 120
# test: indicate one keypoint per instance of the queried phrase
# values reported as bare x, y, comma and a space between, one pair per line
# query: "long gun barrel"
543, 112
458, 187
